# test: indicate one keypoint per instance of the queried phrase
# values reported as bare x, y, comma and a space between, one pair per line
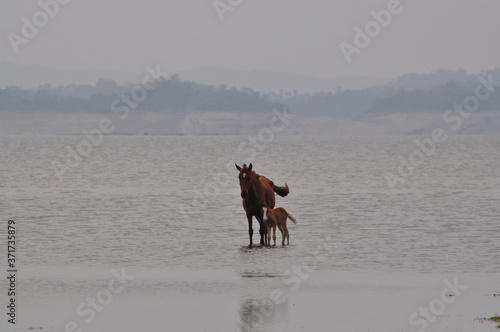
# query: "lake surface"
165, 212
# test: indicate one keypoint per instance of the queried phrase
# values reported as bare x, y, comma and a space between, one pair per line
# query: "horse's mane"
254, 173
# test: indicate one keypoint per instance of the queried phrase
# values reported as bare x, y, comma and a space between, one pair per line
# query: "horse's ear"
250, 167
237, 167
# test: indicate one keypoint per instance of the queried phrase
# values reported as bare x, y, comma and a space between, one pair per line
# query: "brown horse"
257, 192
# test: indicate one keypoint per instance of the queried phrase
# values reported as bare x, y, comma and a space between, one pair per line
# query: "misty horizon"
341, 39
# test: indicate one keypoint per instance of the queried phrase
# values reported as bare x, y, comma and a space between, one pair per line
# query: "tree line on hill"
437, 99
408, 93
435, 92
172, 95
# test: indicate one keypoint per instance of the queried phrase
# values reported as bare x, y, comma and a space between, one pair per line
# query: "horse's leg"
250, 229
262, 229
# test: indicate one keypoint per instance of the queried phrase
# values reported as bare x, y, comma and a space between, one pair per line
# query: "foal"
277, 217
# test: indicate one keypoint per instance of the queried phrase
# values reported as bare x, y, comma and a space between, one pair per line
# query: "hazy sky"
286, 35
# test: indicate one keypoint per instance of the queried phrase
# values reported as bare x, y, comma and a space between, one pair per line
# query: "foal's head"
244, 179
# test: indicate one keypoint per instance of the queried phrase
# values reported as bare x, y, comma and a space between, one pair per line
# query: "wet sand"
194, 300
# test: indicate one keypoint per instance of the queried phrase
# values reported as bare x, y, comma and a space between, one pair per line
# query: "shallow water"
167, 210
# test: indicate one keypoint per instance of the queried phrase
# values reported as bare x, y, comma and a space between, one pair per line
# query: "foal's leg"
280, 226
287, 234
268, 224
274, 235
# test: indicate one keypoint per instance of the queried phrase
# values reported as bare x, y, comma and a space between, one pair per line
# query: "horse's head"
244, 177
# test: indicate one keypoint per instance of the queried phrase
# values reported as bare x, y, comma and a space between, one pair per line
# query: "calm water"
167, 210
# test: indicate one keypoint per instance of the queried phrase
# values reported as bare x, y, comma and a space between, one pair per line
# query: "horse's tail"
282, 191
291, 218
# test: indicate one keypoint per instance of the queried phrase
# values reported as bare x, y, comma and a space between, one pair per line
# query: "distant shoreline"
242, 123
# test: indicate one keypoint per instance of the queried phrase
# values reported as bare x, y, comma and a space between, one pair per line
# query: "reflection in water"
263, 314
